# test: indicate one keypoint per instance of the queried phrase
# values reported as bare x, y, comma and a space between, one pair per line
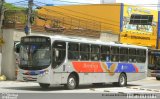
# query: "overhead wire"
110, 4
85, 13
76, 17
19, 2
92, 21
72, 2
61, 13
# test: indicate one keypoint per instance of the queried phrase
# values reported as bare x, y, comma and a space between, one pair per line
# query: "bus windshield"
157, 62
154, 60
35, 55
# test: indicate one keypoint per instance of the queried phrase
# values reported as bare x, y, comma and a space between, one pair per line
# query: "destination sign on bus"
35, 40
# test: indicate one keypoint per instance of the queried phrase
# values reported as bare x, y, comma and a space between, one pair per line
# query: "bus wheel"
71, 82
122, 81
158, 78
44, 86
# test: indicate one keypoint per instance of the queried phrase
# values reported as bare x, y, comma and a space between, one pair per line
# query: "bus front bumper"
39, 78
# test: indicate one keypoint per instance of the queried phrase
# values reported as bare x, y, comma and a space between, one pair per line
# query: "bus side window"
95, 50
105, 53
84, 51
115, 54
73, 51
132, 55
124, 54
141, 56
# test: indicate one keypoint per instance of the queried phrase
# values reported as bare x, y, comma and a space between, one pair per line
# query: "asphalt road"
148, 85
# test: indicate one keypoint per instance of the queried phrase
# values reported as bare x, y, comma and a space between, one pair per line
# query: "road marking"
145, 89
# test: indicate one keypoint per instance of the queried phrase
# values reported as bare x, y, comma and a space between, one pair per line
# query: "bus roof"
87, 40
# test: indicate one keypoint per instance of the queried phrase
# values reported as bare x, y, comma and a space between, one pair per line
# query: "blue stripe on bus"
125, 67
122, 67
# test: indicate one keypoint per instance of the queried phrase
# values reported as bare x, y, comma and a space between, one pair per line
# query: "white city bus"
72, 61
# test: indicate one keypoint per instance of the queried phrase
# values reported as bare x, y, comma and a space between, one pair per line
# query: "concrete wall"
109, 37
8, 55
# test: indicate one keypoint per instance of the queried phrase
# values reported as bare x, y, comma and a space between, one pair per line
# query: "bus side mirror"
17, 47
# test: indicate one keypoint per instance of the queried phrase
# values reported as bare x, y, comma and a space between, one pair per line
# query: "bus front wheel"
71, 82
122, 81
44, 86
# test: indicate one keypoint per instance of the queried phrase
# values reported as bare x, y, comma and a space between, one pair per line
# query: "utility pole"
1, 23
1, 15
28, 26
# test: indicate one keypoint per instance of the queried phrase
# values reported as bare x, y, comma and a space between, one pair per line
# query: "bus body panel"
135, 76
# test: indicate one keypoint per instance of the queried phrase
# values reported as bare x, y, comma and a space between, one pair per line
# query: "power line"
88, 14
61, 13
71, 2
144, 5
85, 14
20, 5
82, 13
66, 23
19, 2
116, 4
40, 3
80, 17
84, 18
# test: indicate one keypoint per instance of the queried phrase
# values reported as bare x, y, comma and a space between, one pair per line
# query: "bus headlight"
46, 72
42, 73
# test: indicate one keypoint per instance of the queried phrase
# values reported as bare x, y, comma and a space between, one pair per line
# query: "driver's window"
59, 53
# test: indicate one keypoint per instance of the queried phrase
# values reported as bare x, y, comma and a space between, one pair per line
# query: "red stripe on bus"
87, 66
136, 68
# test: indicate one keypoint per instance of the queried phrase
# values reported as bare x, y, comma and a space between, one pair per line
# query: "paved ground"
148, 85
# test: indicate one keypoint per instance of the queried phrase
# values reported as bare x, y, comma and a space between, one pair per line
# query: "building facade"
140, 32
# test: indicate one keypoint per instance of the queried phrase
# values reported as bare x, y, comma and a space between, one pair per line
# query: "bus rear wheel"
122, 81
71, 82
44, 86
